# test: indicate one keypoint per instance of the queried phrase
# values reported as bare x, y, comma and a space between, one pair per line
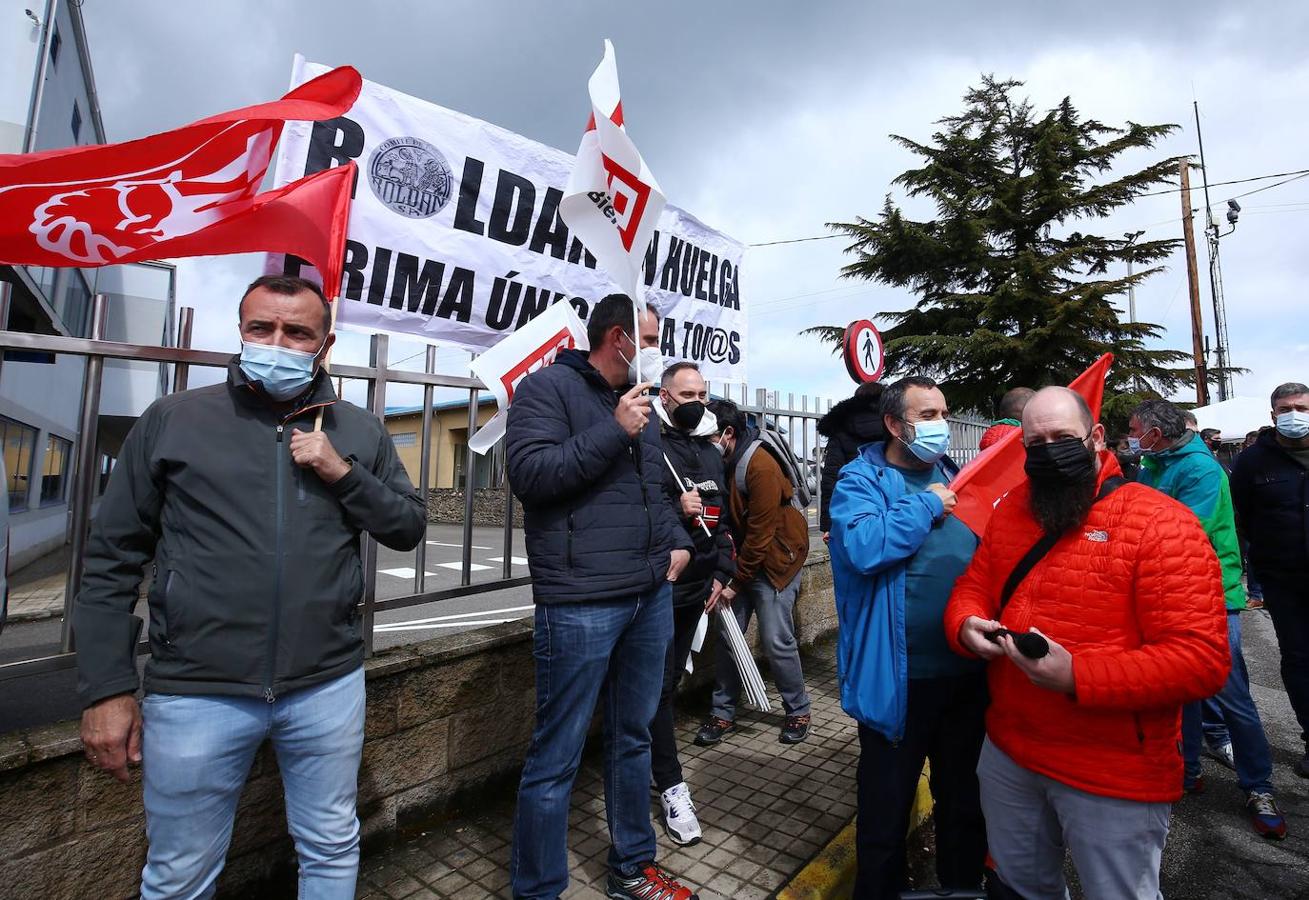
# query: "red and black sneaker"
651, 883
713, 730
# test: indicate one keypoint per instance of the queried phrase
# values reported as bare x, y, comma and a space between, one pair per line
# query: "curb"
37, 616
830, 874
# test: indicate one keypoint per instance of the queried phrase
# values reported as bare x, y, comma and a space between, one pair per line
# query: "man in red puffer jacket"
1082, 742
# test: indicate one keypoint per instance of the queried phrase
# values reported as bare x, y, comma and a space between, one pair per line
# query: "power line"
1293, 176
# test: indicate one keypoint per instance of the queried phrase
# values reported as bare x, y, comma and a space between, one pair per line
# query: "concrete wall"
448, 720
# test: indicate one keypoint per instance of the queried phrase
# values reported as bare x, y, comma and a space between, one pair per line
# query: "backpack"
773, 441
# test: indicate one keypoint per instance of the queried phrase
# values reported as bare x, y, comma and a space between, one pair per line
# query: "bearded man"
1099, 606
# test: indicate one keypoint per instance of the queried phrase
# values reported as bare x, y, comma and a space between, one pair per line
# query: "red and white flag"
612, 200
982, 483
192, 191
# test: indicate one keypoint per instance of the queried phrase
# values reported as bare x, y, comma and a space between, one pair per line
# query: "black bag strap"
1043, 546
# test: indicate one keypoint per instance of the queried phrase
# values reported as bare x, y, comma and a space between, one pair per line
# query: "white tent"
1235, 418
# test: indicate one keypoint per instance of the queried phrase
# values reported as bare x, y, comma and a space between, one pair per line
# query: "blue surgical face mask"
1293, 424
1134, 446
931, 440
281, 372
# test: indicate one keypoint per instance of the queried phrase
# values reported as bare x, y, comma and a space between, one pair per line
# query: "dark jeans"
944, 724
1289, 608
664, 764
582, 649
1254, 760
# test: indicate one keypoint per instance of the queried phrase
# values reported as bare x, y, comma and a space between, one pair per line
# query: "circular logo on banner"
863, 352
411, 177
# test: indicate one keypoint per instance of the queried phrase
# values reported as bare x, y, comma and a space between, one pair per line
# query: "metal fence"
799, 422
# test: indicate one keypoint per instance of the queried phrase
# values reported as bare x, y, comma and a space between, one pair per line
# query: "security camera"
31, 15
1233, 212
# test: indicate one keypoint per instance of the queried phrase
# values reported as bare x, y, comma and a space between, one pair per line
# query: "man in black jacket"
1270, 491
603, 544
253, 523
697, 491
849, 425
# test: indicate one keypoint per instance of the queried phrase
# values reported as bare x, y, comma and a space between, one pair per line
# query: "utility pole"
1193, 282
1215, 271
1131, 238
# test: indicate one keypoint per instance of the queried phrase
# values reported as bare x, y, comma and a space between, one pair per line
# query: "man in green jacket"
1177, 462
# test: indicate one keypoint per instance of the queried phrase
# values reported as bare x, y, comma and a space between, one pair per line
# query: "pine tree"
1009, 294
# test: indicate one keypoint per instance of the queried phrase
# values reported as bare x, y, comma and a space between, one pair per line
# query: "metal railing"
800, 424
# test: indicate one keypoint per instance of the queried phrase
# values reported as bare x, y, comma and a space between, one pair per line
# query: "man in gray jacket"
252, 520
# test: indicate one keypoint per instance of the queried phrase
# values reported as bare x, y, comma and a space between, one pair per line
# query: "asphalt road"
41, 699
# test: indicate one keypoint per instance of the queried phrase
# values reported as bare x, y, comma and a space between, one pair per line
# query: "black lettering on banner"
650, 264
701, 275
668, 337
581, 306
668, 280
550, 230
500, 311
578, 253
470, 187
690, 262
511, 212
686, 340
411, 290
458, 300
714, 298
356, 259
725, 283
535, 301
381, 274
734, 348
736, 287
334, 142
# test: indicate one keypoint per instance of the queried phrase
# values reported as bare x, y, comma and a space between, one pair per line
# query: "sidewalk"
766, 809
36, 591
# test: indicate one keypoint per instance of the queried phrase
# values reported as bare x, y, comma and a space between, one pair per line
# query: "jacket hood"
857, 415
1191, 446
580, 361
874, 454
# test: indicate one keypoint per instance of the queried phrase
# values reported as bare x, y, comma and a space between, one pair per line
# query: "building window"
77, 122
54, 473
55, 43
77, 305
405, 439
18, 442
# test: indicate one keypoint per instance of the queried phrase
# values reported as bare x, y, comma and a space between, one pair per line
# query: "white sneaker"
679, 815
1223, 753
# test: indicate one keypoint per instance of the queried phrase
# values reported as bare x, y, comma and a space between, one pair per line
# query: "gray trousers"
1031, 819
776, 610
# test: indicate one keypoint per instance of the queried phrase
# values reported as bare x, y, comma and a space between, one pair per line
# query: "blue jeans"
581, 648
1254, 760
197, 753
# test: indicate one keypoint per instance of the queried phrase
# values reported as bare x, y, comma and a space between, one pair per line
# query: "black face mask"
1065, 461
687, 416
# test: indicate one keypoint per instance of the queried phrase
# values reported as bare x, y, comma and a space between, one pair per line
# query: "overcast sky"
769, 119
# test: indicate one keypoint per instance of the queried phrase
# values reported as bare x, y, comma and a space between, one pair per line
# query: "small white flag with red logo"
612, 200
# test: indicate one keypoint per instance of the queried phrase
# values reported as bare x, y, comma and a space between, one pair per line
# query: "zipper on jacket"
570, 539
271, 668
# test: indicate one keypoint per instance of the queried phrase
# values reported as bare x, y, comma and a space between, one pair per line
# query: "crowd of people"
1046, 668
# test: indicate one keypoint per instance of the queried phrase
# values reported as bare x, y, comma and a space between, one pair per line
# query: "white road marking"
458, 567
459, 546
516, 560
453, 616
443, 625
404, 572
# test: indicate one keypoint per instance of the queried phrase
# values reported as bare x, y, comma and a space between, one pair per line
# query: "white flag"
612, 200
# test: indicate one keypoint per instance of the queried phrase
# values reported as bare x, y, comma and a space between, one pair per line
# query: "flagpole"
327, 360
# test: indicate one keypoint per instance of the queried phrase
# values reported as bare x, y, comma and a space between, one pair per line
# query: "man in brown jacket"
772, 539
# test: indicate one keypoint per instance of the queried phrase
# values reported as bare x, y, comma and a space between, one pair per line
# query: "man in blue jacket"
896, 552
602, 546
1270, 490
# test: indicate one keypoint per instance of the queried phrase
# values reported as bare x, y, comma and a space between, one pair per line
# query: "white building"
48, 100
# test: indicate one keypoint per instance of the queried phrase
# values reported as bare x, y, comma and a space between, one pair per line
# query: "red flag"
998, 470
187, 192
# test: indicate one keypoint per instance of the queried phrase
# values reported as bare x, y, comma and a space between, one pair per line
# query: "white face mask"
1293, 424
652, 364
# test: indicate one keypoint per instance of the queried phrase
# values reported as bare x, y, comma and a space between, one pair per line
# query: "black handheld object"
1030, 644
